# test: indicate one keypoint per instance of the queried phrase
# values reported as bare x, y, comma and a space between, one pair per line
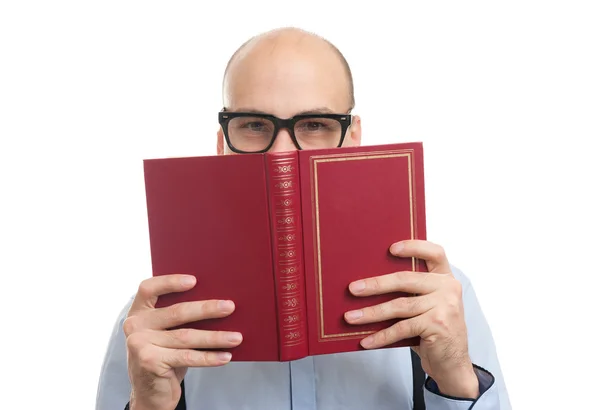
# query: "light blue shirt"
365, 380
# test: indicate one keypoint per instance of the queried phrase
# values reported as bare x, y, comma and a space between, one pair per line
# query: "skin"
284, 73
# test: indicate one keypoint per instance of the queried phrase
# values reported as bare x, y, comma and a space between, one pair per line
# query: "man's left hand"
435, 315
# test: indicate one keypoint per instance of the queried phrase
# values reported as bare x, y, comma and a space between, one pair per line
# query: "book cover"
283, 235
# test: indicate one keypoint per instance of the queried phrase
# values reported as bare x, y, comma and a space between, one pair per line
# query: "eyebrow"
319, 110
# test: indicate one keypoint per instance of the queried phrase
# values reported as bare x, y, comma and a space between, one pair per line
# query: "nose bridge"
283, 141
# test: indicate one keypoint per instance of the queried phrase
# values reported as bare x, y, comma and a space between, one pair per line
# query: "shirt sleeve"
482, 349
487, 400
114, 387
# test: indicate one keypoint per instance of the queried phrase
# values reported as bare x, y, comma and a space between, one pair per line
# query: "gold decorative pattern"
287, 247
408, 154
284, 184
291, 303
285, 202
284, 168
286, 221
289, 286
292, 319
289, 271
293, 335
288, 254
287, 238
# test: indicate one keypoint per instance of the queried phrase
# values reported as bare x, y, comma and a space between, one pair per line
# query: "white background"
505, 96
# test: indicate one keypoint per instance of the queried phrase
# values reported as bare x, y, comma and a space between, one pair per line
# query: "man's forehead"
287, 88
311, 111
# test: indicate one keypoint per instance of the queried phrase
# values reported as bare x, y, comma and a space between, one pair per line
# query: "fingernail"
224, 356
357, 287
188, 280
354, 314
367, 341
234, 337
225, 305
397, 247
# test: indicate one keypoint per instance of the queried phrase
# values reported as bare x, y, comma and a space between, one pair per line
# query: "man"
286, 73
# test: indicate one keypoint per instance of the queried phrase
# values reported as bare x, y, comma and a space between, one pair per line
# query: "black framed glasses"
247, 132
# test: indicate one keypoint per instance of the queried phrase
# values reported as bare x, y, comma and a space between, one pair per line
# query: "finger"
159, 350
150, 289
399, 308
433, 254
159, 360
409, 282
195, 339
176, 358
185, 312
402, 330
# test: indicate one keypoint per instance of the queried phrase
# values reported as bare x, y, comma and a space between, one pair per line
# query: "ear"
220, 142
355, 131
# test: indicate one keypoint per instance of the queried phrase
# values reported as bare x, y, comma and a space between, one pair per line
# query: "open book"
283, 235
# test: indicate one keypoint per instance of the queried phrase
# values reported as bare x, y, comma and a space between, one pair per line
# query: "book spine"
283, 180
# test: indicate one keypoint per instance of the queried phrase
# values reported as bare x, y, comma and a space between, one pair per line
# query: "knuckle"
186, 357
382, 337
145, 288
146, 358
414, 303
183, 336
426, 278
375, 284
453, 291
406, 305
205, 339
191, 358
217, 339
380, 310
439, 253
135, 342
399, 304
454, 303
398, 276
130, 325
176, 312
441, 321
387, 336
414, 328
403, 328
209, 308
420, 281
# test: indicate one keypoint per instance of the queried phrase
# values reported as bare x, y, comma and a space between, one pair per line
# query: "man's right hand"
157, 358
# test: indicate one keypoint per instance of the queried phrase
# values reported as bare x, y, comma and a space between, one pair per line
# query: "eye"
252, 124
256, 125
312, 126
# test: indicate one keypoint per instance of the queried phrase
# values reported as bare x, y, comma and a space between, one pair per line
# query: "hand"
435, 315
158, 359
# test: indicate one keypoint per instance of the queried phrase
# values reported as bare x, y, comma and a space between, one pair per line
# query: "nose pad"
283, 142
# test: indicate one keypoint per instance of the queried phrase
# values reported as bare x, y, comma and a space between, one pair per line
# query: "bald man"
277, 76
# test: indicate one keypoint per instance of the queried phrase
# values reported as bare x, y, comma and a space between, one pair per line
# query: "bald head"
279, 65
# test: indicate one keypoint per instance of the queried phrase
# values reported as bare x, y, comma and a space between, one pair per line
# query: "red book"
283, 235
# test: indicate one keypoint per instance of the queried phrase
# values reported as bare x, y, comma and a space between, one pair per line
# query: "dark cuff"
485, 378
